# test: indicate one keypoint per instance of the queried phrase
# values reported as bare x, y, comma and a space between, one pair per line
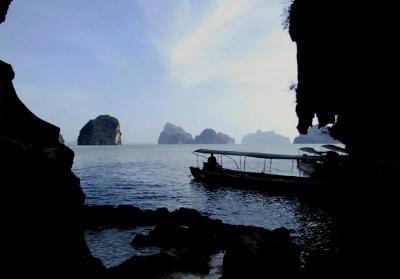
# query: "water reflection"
112, 245
151, 177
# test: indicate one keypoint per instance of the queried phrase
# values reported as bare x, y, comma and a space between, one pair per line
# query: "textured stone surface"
104, 130
209, 136
269, 137
41, 197
315, 135
174, 135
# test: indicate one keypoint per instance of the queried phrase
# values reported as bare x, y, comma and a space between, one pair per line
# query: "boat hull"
308, 168
279, 184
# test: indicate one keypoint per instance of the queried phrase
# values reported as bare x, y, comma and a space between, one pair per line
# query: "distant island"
174, 135
209, 136
315, 135
104, 130
269, 137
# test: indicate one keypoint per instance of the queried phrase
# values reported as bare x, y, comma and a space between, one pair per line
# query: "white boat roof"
334, 148
311, 150
260, 155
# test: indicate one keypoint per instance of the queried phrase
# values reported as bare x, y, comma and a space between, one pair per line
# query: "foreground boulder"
188, 240
260, 254
41, 197
160, 265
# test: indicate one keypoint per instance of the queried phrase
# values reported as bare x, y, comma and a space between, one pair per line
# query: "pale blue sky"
221, 64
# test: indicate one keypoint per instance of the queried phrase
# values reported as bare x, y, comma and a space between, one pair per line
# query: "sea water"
154, 176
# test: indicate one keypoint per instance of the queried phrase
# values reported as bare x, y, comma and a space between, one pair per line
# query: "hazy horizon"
225, 65
237, 141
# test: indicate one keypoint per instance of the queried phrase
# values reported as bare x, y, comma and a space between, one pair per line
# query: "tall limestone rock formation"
348, 71
315, 135
104, 130
269, 137
209, 136
42, 198
348, 60
174, 135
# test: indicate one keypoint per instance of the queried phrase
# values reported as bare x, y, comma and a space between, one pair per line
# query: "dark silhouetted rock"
154, 266
343, 80
42, 198
315, 135
104, 130
160, 265
191, 239
269, 137
348, 67
3, 9
261, 254
209, 136
122, 216
174, 135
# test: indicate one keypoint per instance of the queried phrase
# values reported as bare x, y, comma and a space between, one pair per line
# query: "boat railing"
220, 160
241, 165
232, 160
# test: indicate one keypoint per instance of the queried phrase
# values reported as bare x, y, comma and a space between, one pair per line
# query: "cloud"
209, 33
237, 41
237, 63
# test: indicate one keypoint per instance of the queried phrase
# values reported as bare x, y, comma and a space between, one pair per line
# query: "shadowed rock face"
174, 135
3, 9
347, 56
187, 240
104, 130
269, 137
315, 135
209, 136
41, 197
348, 70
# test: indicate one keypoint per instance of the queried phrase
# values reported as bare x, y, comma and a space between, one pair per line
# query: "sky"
221, 64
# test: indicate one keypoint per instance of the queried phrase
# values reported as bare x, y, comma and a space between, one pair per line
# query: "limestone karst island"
172, 134
104, 130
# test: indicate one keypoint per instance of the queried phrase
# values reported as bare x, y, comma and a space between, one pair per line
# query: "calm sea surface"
153, 176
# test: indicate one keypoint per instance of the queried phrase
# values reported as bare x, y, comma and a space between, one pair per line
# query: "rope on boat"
270, 166
233, 161
291, 172
197, 157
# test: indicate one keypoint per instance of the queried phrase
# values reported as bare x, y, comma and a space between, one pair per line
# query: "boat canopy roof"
334, 148
311, 150
260, 155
